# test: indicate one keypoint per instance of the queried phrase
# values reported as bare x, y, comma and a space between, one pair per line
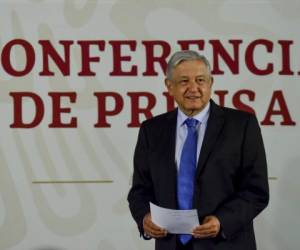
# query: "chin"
194, 107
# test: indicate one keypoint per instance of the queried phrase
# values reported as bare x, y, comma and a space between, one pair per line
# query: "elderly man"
199, 156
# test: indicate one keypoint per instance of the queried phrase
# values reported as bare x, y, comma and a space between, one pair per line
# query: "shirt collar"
202, 116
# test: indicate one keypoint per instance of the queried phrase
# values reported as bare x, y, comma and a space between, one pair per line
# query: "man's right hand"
151, 229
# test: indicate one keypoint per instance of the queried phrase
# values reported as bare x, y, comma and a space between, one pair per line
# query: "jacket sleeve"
252, 192
141, 192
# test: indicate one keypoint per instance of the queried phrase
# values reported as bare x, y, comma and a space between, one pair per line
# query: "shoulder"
240, 121
160, 120
233, 117
230, 113
160, 126
237, 114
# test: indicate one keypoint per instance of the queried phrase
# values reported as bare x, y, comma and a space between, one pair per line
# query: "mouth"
192, 97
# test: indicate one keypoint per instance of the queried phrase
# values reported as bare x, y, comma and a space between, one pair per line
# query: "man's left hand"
209, 228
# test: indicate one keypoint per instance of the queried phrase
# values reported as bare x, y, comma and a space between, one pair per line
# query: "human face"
190, 86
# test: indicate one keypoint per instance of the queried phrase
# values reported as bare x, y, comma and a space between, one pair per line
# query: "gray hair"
185, 55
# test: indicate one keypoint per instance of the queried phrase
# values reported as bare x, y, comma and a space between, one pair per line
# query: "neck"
192, 113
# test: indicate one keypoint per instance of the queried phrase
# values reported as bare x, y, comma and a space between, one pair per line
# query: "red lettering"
221, 94
103, 112
249, 57
231, 62
18, 108
282, 111
118, 58
86, 58
170, 101
286, 67
237, 100
151, 59
58, 110
29, 57
49, 51
136, 110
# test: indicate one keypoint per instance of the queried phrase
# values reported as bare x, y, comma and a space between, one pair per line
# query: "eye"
183, 81
201, 81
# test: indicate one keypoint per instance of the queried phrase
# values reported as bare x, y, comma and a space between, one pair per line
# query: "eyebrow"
189, 77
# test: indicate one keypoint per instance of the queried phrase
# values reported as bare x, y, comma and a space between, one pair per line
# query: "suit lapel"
214, 126
169, 151
171, 132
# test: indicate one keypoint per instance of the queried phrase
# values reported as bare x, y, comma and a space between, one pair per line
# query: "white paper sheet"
174, 221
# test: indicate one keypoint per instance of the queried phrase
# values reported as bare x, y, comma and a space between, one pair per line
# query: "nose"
193, 86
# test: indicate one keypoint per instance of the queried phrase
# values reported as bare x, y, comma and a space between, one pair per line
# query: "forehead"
191, 67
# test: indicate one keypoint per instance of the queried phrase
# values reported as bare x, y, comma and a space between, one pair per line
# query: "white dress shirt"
181, 131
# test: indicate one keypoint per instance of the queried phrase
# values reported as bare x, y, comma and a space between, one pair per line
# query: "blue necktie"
187, 170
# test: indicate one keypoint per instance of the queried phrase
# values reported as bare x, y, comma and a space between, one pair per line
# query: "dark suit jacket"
231, 180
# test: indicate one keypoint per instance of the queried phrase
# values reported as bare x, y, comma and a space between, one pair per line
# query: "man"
199, 156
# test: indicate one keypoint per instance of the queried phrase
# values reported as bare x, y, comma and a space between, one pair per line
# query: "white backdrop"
95, 215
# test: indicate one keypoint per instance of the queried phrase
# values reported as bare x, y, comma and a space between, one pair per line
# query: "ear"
169, 86
211, 81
